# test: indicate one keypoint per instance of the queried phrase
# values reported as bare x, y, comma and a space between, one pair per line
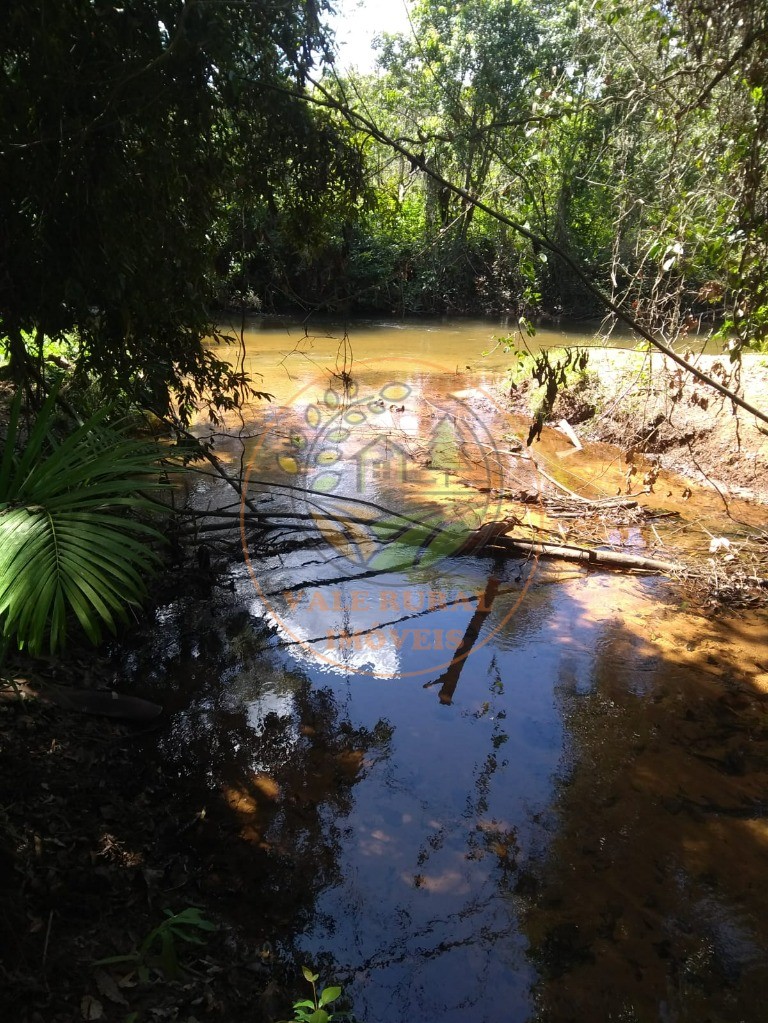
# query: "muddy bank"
649, 903
646, 405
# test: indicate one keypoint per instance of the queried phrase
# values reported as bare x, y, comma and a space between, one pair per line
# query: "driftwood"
492, 538
583, 555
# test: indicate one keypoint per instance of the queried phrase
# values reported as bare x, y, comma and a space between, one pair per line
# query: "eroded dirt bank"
646, 405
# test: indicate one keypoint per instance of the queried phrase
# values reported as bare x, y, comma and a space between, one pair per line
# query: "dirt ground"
646, 405
92, 851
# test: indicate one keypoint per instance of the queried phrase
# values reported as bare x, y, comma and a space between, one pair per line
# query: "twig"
47, 938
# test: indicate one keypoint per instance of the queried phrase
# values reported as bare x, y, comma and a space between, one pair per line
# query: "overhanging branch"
323, 97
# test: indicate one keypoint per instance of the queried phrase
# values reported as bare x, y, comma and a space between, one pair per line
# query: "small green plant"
159, 950
553, 369
68, 542
312, 1010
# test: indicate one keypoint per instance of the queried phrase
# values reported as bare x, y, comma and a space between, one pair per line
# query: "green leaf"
309, 975
329, 994
192, 916
114, 960
68, 541
168, 958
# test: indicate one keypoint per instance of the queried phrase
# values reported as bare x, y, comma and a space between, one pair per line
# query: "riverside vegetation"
181, 160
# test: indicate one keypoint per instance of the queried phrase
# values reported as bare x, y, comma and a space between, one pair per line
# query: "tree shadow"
650, 902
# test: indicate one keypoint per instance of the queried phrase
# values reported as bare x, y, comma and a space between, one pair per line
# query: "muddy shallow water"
469, 789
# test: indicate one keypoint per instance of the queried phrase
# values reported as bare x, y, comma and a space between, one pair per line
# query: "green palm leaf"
68, 540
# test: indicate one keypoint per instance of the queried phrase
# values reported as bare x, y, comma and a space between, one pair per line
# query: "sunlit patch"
253, 802
758, 829
239, 800
266, 785
349, 763
449, 882
248, 810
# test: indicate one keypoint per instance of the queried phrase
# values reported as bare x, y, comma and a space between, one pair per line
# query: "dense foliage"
172, 157
142, 144
632, 136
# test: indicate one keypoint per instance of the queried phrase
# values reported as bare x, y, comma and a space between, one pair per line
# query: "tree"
501, 209
680, 87
129, 131
458, 93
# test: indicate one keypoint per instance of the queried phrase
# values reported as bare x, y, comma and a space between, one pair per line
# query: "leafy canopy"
129, 131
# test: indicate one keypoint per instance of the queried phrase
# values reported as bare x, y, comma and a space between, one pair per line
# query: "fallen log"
489, 538
584, 555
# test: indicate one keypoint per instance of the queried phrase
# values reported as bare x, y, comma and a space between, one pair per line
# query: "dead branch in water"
491, 537
584, 555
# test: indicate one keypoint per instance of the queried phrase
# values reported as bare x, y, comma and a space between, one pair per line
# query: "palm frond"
69, 541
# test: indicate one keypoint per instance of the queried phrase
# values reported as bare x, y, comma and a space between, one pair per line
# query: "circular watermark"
389, 478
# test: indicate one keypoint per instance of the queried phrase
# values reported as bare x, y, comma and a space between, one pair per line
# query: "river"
467, 788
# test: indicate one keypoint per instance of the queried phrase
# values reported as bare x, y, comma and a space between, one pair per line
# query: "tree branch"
358, 121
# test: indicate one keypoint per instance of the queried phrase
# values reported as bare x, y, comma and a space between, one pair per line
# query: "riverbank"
645, 405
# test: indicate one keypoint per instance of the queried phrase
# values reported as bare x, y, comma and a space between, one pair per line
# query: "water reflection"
575, 828
580, 833
649, 903
450, 677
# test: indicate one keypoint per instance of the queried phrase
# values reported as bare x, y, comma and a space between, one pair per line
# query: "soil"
644, 404
95, 846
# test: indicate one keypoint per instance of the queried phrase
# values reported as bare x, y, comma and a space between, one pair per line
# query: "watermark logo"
386, 478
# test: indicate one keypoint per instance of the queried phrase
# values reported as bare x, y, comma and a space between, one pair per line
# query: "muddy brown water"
467, 789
